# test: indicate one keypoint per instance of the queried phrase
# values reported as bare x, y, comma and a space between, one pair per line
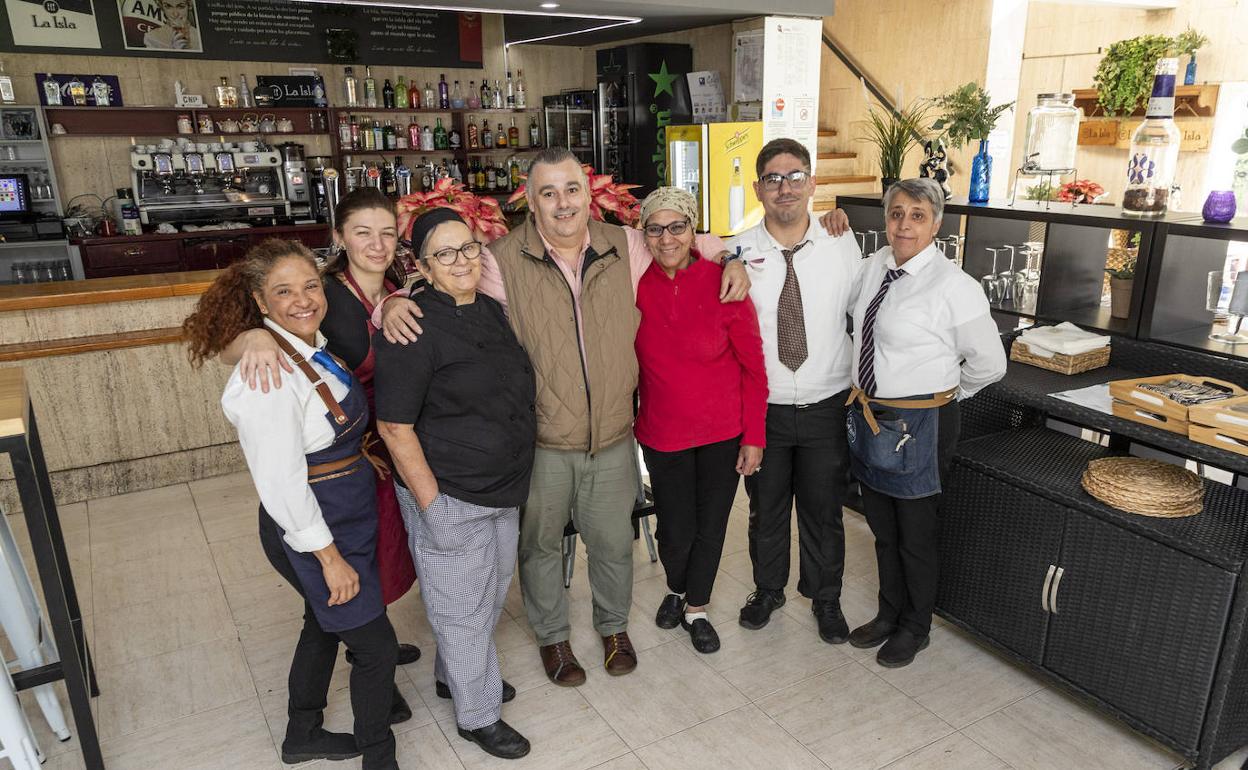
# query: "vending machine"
715, 162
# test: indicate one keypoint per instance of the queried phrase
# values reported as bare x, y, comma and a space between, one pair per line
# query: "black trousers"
905, 538
806, 460
374, 647
693, 493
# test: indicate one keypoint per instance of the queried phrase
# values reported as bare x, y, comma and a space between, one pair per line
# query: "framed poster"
160, 25
60, 24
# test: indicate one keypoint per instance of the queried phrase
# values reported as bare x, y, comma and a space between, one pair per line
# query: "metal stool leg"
17, 744
645, 530
569, 559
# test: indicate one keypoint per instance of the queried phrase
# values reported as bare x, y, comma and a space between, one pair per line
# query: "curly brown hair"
227, 308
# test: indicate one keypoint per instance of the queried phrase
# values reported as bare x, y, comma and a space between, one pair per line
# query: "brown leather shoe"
561, 665
618, 656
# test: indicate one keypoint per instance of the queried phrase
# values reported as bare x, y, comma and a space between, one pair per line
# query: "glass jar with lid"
1052, 134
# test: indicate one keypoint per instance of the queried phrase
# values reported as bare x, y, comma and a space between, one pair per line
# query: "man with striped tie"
801, 285
924, 339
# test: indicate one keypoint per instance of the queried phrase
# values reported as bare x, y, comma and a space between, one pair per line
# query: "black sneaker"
702, 634
758, 608
444, 691
872, 634
832, 626
322, 744
901, 648
670, 613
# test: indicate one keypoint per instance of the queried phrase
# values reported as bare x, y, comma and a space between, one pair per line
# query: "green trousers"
597, 492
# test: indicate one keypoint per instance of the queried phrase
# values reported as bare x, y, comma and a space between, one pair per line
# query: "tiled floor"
193, 632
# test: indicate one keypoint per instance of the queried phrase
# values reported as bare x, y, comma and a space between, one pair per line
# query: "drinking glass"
992, 288
1005, 279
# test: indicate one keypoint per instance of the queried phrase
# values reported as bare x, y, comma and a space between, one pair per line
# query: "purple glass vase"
1219, 206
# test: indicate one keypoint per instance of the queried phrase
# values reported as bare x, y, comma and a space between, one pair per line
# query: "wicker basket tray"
1060, 362
1146, 487
1130, 392
1149, 417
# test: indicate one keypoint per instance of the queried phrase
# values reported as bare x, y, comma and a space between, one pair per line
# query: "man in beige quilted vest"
568, 285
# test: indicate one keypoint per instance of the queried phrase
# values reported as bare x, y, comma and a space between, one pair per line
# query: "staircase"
835, 173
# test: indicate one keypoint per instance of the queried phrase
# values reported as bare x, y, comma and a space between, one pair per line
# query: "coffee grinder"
298, 188
316, 184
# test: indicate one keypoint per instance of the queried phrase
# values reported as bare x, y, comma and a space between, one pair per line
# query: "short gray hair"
921, 189
553, 156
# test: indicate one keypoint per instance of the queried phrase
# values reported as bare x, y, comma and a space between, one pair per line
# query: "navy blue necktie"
866, 356
327, 361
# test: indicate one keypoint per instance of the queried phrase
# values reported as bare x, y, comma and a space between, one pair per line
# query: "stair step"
837, 155
844, 179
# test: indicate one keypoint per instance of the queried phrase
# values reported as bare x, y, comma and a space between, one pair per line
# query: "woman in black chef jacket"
318, 515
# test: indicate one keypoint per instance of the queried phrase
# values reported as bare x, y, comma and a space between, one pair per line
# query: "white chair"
22, 620
17, 743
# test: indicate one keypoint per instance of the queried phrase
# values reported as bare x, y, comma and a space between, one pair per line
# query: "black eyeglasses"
773, 181
675, 228
448, 256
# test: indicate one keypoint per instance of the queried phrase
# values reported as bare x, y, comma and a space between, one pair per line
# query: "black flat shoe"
321, 745
509, 692
499, 739
758, 608
872, 634
901, 648
671, 612
832, 626
400, 712
702, 634
408, 653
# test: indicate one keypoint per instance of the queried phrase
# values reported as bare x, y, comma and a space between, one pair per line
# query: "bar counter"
120, 407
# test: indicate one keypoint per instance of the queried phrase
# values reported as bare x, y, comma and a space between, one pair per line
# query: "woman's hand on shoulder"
734, 286
262, 361
749, 459
836, 222
398, 320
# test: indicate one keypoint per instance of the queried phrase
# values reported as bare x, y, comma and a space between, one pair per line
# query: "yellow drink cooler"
715, 162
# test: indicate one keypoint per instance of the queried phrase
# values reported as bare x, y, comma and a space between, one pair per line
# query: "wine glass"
992, 288
1005, 278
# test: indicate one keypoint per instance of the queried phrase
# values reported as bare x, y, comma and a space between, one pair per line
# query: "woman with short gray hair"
924, 339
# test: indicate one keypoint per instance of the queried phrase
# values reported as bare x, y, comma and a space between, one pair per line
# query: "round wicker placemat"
1146, 487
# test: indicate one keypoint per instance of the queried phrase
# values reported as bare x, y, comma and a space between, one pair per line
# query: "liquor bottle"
373, 173
244, 92
456, 141
387, 178
487, 136
430, 97
481, 176
487, 96
521, 103
426, 175
457, 97
366, 133
101, 94
426, 138
440, 140
511, 92
400, 94
456, 173
379, 135
1154, 152
387, 136
402, 177
319, 96
736, 197
491, 177
474, 96
387, 95
444, 94
498, 95
513, 135
51, 91
350, 89
515, 174
535, 136
500, 139
413, 96
6, 87
344, 131
356, 138
400, 136
474, 136
227, 95
413, 134
370, 87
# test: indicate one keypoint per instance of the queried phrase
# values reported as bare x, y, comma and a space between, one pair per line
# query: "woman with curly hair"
318, 515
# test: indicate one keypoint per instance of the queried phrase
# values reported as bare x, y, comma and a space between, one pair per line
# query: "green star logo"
663, 81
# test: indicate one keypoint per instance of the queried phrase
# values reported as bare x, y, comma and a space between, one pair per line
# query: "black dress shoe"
901, 648
832, 626
702, 634
408, 653
509, 692
671, 612
499, 739
400, 712
872, 634
322, 744
758, 608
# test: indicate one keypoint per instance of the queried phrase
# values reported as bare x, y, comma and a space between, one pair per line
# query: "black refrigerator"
642, 88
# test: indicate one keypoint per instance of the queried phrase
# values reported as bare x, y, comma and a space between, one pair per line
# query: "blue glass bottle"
1189, 76
981, 174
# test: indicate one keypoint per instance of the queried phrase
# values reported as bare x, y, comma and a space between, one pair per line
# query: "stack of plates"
1146, 487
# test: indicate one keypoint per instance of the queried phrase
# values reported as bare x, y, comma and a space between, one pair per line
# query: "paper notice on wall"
706, 92
791, 55
60, 24
747, 66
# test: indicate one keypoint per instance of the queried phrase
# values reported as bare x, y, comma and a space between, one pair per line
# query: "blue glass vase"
1189, 76
981, 174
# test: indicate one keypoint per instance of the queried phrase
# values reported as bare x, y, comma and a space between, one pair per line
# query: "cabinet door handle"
1044, 592
133, 252
1057, 583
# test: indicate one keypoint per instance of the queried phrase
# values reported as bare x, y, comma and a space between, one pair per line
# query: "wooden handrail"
23, 351
94, 291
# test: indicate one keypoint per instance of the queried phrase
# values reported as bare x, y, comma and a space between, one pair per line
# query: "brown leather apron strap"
859, 395
332, 467
322, 388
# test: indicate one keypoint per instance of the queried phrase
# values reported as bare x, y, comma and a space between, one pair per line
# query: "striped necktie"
866, 354
790, 319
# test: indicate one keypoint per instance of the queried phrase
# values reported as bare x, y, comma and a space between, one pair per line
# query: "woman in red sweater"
703, 390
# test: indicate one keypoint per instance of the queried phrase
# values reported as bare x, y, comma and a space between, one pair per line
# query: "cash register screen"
14, 195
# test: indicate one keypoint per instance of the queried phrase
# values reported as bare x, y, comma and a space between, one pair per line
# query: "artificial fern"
1124, 78
966, 114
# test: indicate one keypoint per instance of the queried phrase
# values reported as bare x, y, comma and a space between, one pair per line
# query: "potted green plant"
1124, 77
966, 115
1121, 282
1188, 42
894, 133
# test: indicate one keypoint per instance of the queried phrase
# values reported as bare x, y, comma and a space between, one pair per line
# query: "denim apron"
893, 444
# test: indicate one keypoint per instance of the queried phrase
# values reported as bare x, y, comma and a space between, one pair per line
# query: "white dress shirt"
934, 330
825, 270
276, 430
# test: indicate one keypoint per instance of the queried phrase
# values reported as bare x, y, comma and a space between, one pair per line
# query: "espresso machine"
185, 182
298, 185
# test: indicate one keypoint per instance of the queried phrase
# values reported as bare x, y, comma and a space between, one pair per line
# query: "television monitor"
14, 196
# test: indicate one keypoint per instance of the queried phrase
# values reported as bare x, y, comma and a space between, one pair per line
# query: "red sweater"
703, 378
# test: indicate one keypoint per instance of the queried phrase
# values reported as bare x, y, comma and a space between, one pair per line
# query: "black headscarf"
425, 224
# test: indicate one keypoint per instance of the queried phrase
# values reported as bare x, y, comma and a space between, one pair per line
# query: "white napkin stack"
1065, 338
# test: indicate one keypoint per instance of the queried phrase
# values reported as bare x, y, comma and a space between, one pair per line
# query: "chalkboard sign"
247, 30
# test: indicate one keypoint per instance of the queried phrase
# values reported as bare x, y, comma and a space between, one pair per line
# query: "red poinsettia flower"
1080, 191
605, 196
482, 214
